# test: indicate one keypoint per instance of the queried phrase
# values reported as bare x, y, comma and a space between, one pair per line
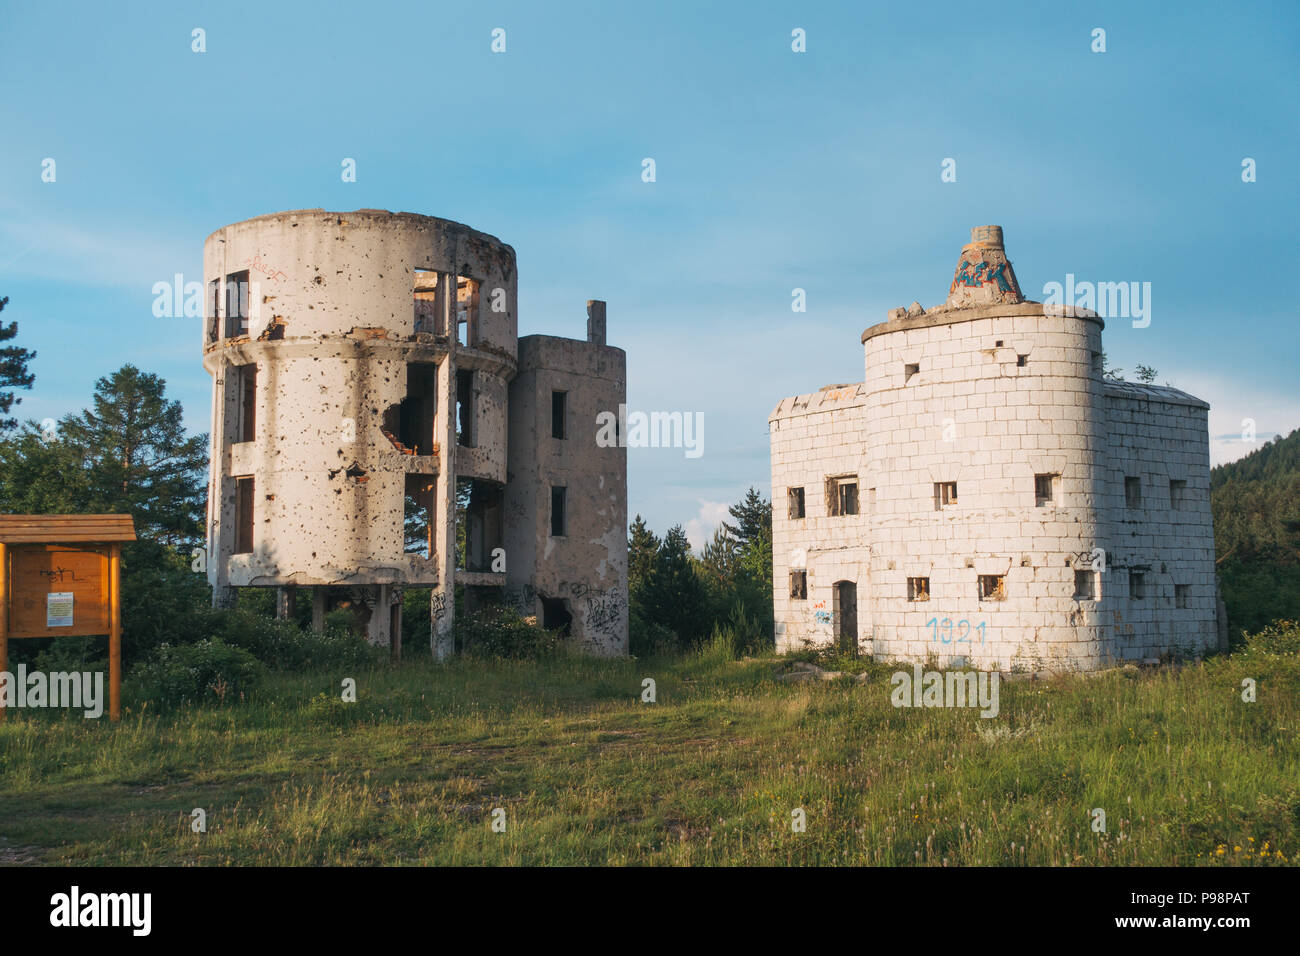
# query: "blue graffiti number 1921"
941, 631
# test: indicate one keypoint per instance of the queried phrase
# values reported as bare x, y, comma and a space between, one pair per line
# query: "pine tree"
676, 597
642, 555
138, 459
753, 514
13, 370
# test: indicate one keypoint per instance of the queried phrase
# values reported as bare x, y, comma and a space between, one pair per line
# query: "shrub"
282, 645
501, 631
647, 638
196, 673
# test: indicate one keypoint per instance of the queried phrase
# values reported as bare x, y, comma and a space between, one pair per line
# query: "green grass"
1187, 773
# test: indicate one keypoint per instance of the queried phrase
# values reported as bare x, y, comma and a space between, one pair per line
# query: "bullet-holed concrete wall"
580, 572
357, 325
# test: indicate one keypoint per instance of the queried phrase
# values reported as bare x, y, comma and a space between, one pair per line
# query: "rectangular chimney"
596, 321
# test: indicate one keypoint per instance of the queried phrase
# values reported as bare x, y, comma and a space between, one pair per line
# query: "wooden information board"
60, 576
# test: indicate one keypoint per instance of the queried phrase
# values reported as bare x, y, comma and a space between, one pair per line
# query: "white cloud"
700, 528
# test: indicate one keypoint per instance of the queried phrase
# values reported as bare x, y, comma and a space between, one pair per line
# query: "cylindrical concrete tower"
360, 365
985, 448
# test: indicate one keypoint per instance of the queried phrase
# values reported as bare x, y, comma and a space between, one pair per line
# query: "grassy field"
586, 773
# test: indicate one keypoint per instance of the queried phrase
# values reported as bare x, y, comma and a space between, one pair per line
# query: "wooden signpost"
60, 576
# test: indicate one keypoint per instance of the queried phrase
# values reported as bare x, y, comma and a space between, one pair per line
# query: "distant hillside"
1256, 503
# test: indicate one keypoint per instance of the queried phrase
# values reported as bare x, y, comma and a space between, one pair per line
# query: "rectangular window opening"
1132, 492
799, 585
247, 375
1022, 360
1137, 585
795, 496
467, 311
479, 528
465, 407
1085, 585
992, 587
558, 508
1045, 489
417, 519
842, 496
918, 589
910, 369
236, 304
426, 289
243, 515
945, 494
1180, 595
559, 414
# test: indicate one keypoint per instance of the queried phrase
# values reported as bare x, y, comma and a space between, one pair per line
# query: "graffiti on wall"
973, 275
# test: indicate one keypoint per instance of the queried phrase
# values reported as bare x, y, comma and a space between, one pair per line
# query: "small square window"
799, 585
1180, 595
918, 589
1137, 585
1022, 360
1132, 492
1177, 493
993, 587
998, 343
795, 496
1045, 489
945, 494
910, 369
1085, 585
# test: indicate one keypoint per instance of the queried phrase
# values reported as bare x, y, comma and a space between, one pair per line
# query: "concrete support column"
284, 602
319, 596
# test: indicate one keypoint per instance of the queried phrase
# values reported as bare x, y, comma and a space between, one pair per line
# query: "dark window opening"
1085, 585
795, 496
910, 369
243, 516
559, 518
799, 585
1133, 492
992, 587
247, 375
236, 302
918, 589
417, 519
556, 616
559, 409
1044, 489
1137, 585
1180, 595
845, 613
465, 408
1022, 360
409, 425
479, 529
426, 293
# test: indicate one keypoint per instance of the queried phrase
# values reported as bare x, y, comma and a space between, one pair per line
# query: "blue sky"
775, 170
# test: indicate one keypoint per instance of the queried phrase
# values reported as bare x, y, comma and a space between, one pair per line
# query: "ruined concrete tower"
363, 409
986, 497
